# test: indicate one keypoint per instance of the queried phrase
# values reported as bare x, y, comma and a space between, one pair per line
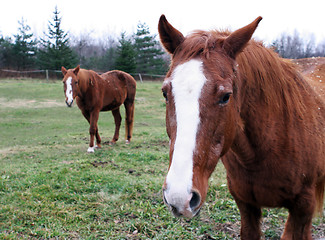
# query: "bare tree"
297, 47
95, 53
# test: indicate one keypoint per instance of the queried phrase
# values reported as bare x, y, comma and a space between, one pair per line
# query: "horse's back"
121, 76
123, 80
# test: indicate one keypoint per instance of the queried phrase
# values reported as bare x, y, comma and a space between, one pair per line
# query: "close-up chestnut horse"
228, 97
95, 93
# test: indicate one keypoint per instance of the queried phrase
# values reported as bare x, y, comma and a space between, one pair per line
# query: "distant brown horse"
229, 97
95, 93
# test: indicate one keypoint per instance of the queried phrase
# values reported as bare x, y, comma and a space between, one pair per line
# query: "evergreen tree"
107, 61
148, 52
125, 60
56, 51
6, 53
24, 48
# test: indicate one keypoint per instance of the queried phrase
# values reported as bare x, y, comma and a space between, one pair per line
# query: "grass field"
50, 188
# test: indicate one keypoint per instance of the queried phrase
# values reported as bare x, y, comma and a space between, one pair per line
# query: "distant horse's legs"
250, 221
129, 117
117, 119
300, 217
87, 116
93, 129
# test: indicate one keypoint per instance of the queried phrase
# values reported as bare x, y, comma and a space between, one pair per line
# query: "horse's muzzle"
69, 104
188, 209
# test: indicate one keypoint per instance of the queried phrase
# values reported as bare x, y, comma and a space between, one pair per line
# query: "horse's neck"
87, 80
243, 148
276, 101
270, 86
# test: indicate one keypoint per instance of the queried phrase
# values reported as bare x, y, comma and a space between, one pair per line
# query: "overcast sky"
102, 17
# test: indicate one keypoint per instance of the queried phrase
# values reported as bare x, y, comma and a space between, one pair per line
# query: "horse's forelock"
200, 43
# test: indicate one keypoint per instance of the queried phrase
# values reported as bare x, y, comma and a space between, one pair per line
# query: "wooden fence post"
140, 77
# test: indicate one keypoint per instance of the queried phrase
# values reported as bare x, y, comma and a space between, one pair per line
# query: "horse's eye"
165, 95
225, 98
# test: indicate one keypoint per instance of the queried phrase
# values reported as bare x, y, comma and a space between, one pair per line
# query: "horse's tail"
320, 188
129, 103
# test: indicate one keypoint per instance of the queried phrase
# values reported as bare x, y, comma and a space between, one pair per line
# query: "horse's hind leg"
129, 117
298, 225
117, 119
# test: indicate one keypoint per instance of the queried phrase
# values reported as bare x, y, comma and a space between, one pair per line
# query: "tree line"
136, 53
294, 46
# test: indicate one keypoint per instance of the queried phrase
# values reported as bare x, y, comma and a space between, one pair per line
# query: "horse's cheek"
230, 132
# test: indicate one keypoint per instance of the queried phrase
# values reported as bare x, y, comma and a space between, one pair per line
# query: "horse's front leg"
117, 119
250, 221
93, 130
299, 222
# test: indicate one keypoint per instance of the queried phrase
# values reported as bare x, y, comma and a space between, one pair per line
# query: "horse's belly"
109, 107
113, 101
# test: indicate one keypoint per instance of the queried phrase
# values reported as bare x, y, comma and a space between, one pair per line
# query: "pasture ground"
50, 188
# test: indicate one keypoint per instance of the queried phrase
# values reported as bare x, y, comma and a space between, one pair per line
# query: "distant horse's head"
71, 84
202, 109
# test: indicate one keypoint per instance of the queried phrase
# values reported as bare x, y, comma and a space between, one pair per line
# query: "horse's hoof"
98, 146
112, 143
127, 141
90, 150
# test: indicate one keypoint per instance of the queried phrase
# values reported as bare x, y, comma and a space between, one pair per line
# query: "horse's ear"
64, 71
237, 41
76, 70
170, 37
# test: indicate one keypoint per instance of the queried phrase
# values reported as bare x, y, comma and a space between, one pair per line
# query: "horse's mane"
266, 78
274, 81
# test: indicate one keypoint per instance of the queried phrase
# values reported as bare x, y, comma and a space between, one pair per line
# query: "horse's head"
70, 84
202, 109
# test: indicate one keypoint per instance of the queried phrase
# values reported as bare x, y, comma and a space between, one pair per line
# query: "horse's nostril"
165, 200
175, 211
68, 104
195, 200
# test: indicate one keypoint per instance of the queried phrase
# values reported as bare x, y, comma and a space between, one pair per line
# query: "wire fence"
57, 75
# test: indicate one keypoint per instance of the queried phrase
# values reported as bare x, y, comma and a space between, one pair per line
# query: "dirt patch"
16, 149
8, 150
314, 67
153, 143
314, 70
27, 103
99, 164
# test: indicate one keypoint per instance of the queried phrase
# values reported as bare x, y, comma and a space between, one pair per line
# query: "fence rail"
56, 74
47, 74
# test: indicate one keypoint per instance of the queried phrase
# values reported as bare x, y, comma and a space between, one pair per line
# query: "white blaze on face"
187, 82
68, 91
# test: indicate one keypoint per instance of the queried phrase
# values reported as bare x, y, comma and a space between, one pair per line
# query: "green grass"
49, 188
